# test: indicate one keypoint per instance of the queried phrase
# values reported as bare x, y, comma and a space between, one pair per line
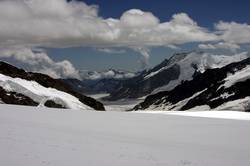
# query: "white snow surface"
41, 136
239, 76
196, 112
236, 105
202, 60
39, 93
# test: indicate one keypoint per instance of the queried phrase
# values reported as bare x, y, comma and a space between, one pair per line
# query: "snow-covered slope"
239, 76
43, 137
225, 88
26, 88
39, 93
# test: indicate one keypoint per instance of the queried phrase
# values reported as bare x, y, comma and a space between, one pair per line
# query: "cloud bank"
59, 23
62, 24
233, 32
221, 45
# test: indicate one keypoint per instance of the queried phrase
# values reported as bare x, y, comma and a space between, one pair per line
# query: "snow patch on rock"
39, 93
239, 76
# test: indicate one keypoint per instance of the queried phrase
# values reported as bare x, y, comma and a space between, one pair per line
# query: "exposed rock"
52, 104
15, 98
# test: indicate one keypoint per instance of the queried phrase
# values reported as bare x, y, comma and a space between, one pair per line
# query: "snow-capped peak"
107, 74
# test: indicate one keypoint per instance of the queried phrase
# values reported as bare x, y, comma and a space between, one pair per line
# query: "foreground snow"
41, 136
235, 115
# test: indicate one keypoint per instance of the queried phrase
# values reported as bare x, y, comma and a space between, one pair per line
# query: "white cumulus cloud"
59, 23
111, 51
63, 24
221, 45
38, 61
234, 32
135, 18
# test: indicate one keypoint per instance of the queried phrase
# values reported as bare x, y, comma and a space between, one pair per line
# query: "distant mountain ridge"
94, 82
106, 74
170, 73
20, 87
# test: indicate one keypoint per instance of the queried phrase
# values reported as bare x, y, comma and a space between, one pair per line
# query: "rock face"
214, 88
52, 104
46, 81
15, 98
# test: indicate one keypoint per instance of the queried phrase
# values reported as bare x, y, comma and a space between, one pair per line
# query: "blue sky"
204, 12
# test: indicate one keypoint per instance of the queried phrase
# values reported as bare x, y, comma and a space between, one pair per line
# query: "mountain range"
182, 82
94, 82
225, 88
170, 73
106, 74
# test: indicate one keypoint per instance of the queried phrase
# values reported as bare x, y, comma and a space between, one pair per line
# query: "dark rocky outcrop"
15, 98
209, 84
52, 104
47, 81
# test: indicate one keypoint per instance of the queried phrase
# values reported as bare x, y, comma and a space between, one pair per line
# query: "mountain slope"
221, 88
43, 89
171, 72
